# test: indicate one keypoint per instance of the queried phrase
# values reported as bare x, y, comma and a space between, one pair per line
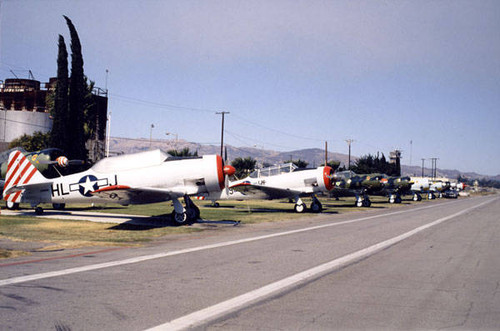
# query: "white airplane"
286, 181
433, 188
139, 178
421, 185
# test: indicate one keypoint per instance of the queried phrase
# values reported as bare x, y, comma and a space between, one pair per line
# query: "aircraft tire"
193, 214
316, 207
300, 208
12, 205
398, 200
39, 210
59, 206
180, 218
367, 203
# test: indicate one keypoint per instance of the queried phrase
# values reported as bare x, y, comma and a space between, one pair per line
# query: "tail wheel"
300, 208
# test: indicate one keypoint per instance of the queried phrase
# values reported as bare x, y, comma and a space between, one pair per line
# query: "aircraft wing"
125, 195
263, 192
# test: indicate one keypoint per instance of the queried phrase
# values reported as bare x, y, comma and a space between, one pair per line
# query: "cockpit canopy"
274, 170
130, 161
345, 174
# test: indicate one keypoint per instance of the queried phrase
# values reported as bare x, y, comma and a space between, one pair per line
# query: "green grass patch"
71, 234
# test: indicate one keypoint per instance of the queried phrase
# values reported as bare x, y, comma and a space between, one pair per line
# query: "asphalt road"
426, 266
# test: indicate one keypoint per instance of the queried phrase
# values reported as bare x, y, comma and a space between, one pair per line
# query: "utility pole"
349, 142
151, 135
326, 153
423, 160
222, 132
411, 148
108, 131
434, 167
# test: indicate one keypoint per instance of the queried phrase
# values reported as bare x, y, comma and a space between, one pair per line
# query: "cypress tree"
77, 91
59, 134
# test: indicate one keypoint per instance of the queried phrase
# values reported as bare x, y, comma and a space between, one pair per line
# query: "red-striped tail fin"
20, 171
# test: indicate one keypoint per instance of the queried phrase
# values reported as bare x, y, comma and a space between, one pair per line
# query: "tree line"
71, 106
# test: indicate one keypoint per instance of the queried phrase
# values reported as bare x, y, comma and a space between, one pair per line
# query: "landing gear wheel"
316, 207
216, 205
12, 205
179, 218
367, 203
59, 206
398, 199
39, 210
300, 208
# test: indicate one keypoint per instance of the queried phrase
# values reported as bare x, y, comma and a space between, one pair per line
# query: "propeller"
228, 170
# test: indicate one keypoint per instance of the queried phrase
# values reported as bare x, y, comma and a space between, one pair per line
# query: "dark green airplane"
349, 183
361, 186
43, 160
394, 187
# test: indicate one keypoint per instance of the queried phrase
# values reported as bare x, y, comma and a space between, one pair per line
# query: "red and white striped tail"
20, 171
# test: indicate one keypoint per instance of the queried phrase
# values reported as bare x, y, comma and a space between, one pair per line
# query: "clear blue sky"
292, 74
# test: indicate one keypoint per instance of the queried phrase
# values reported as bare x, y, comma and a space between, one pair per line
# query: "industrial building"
23, 110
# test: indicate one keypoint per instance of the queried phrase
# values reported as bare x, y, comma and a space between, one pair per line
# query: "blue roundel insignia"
88, 184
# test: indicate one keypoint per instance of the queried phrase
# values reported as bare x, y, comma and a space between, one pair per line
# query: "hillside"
314, 156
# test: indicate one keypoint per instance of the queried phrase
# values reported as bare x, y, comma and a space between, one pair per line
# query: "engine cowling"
326, 178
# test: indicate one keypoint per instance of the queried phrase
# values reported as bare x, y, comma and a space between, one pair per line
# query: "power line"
159, 105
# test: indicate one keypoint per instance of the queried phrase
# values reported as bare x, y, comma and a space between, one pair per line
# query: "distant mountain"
314, 156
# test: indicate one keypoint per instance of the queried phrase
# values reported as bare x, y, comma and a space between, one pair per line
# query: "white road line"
22, 279
218, 310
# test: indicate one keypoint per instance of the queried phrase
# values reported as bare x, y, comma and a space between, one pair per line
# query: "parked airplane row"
154, 176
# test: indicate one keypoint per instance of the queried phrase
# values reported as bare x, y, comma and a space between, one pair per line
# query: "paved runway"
425, 266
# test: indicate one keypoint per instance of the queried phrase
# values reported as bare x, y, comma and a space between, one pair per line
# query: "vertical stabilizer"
20, 171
